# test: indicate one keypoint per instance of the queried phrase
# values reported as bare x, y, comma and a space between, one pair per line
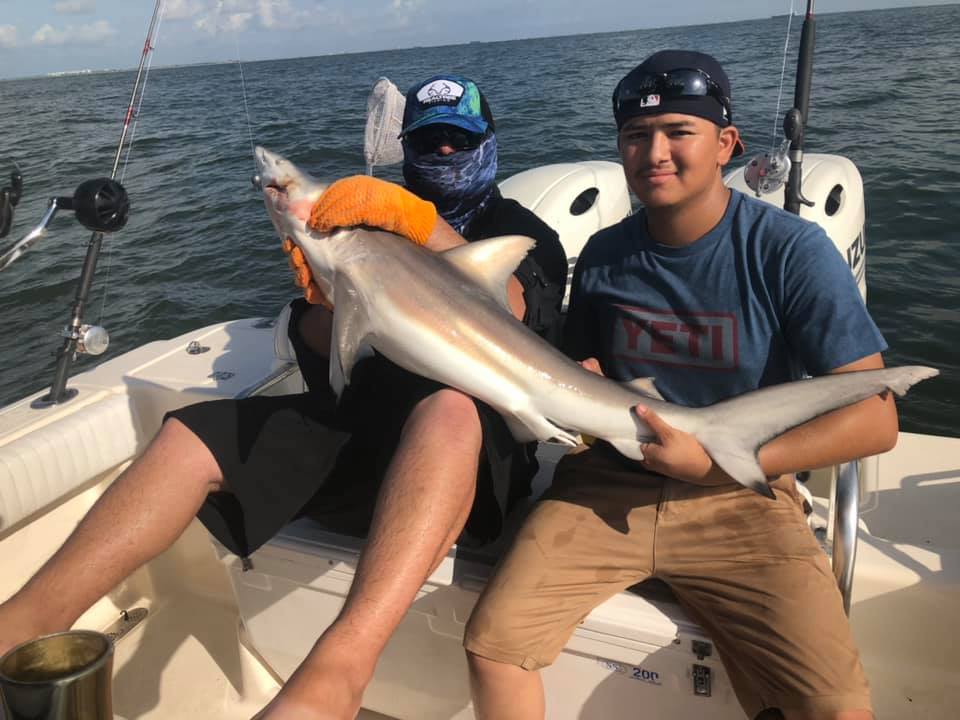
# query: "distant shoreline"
797, 14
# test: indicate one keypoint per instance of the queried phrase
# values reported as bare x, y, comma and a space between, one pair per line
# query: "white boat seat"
306, 532
42, 465
468, 567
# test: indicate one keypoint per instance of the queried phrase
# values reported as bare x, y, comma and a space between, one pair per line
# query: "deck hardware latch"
701, 681
129, 619
701, 649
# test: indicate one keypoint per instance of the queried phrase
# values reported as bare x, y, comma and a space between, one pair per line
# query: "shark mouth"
277, 194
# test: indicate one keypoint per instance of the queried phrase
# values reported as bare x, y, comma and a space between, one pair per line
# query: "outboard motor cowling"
575, 199
835, 187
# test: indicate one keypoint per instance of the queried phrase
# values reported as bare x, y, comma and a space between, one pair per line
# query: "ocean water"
199, 248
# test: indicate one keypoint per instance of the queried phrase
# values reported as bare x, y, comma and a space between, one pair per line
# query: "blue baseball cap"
447, 99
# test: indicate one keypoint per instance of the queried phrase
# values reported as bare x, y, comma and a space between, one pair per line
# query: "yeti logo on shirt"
700, 340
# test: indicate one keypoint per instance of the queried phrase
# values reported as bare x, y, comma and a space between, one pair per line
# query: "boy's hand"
678, 454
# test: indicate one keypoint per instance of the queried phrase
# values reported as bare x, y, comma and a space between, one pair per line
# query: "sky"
43, 36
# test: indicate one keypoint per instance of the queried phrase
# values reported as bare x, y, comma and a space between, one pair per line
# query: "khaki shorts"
747, 568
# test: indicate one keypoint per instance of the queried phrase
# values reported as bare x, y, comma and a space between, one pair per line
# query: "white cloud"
74, 35
270, 10
237, 22
217, 23
403, 11
75, 7
238, 15
182, 9
8, 36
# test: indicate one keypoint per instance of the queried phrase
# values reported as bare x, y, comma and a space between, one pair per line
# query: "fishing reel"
100, 205
766, 173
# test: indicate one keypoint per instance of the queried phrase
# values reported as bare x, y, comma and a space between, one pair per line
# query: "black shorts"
287, 456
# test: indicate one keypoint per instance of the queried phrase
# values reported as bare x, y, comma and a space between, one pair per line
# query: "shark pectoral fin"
348, 340
529, 426
737, 461
628, 448
645, 387
490, 263
521, 433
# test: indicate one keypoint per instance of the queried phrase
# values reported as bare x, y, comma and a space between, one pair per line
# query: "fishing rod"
102, 200
797, 117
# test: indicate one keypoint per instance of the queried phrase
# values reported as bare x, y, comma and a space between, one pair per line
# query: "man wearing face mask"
441, 465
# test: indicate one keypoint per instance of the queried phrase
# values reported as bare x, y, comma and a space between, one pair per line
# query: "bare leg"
422, 507
504, 692
138, 517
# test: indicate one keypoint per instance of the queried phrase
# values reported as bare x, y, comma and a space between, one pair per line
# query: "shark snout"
270, 169
265, 159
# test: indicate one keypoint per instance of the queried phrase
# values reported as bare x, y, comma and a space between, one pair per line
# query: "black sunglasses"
428, 139
683, 82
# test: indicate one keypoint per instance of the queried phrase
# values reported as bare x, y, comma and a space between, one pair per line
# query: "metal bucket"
65, 676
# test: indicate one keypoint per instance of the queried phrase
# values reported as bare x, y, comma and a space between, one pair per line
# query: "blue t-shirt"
762, 298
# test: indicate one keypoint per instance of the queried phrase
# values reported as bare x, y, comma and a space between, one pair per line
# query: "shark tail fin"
911, 376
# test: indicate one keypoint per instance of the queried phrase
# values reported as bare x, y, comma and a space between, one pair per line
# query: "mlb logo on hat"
650, 101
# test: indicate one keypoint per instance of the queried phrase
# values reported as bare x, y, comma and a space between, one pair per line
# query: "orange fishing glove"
303, 276
364, 200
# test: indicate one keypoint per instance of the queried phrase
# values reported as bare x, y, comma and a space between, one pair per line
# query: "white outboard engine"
578, 199
575, 199
835, 187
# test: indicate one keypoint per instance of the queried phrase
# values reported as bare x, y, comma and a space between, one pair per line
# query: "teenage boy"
714, 294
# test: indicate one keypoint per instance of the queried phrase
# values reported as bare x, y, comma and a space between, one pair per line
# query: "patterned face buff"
460, 184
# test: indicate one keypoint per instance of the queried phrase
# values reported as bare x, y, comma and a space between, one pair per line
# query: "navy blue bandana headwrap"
460, 185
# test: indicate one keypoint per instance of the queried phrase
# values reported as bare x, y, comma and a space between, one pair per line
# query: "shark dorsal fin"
490, 263
348, 343
644, 386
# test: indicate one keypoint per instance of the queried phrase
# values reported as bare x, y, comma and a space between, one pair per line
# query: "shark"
445, 316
